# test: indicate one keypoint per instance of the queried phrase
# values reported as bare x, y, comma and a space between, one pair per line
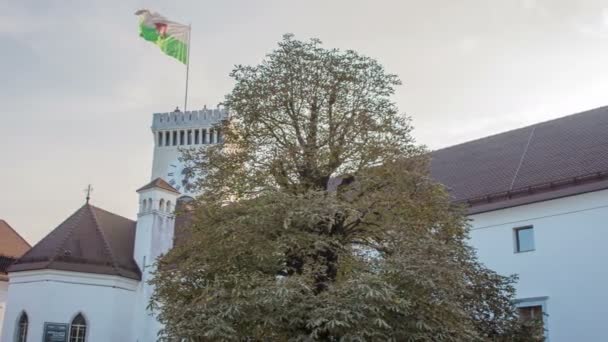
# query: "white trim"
90, 279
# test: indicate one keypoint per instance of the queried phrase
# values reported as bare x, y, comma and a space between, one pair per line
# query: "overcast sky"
79, 86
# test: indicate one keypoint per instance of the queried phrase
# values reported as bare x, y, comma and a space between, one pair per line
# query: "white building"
12, 246
87, 279
538, 203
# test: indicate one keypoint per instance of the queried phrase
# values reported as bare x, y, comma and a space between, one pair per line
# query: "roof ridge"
16, 233
534, 125
111, 213
104, 239
52, 231
68, 235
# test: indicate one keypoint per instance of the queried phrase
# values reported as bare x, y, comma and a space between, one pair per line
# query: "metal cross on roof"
88, 191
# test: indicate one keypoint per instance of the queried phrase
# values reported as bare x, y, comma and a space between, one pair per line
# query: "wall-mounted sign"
56, 332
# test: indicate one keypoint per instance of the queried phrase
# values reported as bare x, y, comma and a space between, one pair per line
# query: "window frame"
536, 301
21, 335
84, 327
516, 243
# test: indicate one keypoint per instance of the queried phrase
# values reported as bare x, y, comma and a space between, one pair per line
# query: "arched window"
161, 205
169, 208
150, 204
22, 328
78, 329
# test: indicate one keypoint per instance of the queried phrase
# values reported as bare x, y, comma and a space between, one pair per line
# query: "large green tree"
318, 220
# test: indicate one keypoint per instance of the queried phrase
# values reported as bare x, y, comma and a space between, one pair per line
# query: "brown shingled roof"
159, 183
91, 240
541, 158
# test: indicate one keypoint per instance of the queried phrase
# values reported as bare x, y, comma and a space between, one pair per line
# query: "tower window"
160, 138
22, 328
181, 137
78, 329
196, 137
524, 239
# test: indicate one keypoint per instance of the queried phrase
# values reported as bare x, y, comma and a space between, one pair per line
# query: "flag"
171, 37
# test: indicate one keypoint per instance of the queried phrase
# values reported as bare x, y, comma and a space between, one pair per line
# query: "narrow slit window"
22, 328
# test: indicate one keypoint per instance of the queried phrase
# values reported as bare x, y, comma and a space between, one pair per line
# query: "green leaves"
318, 220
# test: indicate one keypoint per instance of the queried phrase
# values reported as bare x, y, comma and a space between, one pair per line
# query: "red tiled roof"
11, 243
159, 183
91, 240
543, 158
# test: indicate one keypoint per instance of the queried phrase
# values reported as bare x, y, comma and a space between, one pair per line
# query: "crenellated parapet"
191, 128
195, 118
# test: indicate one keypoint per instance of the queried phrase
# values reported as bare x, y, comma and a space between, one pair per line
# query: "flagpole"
187, 67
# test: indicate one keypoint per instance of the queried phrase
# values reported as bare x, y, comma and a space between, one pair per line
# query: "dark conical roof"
91, 240
159, 183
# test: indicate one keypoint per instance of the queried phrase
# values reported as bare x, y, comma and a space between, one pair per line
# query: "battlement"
195, 118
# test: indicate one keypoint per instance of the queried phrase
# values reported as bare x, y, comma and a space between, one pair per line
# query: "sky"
79, 86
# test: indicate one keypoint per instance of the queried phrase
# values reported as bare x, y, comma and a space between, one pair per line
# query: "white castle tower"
178, 130
155, 228
154, 234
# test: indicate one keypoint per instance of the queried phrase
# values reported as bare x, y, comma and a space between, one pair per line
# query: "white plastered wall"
3, 295
567, 269
105, 301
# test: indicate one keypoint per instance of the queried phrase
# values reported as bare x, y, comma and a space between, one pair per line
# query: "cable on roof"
523, 156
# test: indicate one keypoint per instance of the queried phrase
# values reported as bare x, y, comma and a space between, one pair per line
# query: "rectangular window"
530, 312
189, 137
160, 138
167, 138
204, 136
524, 239
181, 137
534, 309
174, 138
196, 136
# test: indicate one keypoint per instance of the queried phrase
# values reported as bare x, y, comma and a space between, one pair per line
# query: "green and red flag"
171, 37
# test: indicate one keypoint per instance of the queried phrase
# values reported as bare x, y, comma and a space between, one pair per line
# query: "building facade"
537, 199
88, 279
12, 246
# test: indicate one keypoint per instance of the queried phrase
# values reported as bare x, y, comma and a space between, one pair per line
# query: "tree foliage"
318, 220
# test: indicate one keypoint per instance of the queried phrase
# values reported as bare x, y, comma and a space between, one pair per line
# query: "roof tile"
551, 151
91, 240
